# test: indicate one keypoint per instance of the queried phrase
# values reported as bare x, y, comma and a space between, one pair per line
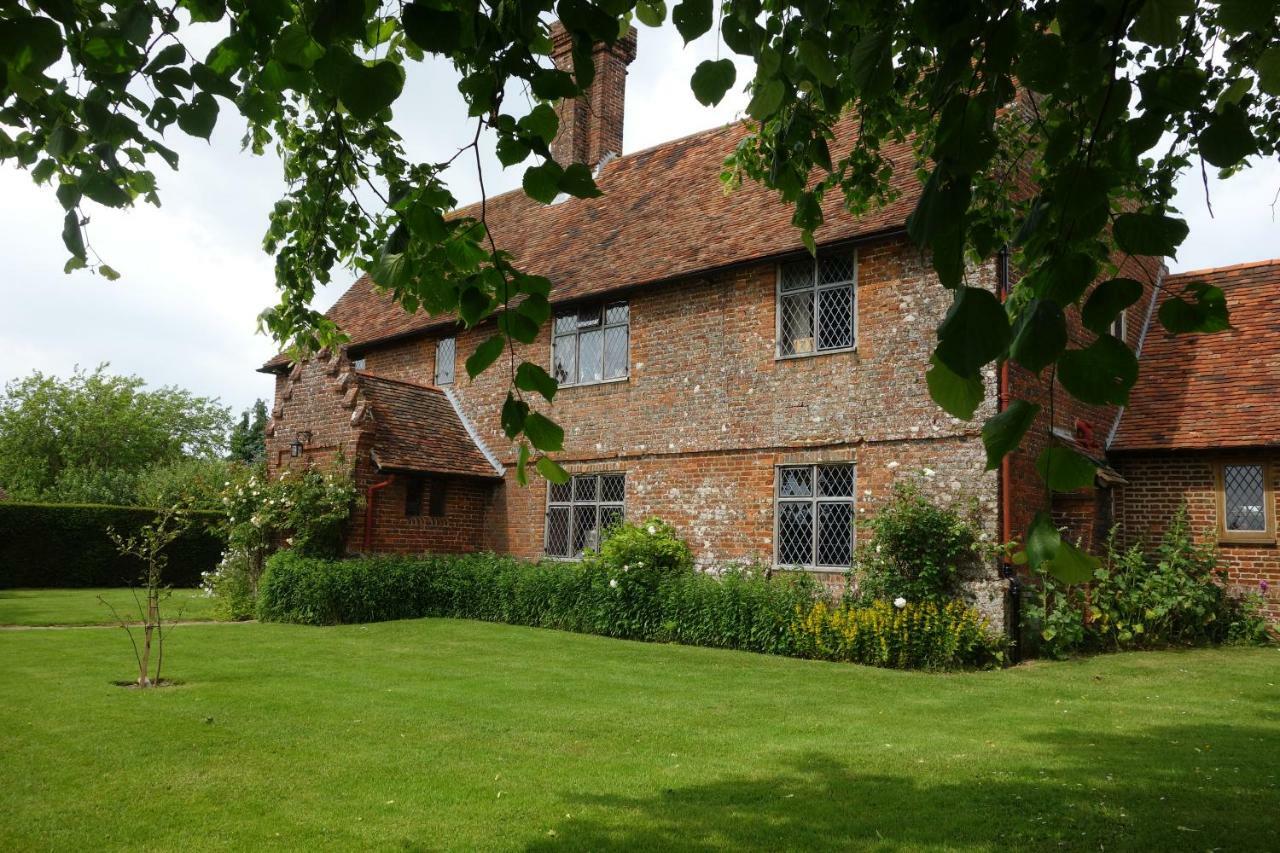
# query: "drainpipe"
369, 495
1007, 569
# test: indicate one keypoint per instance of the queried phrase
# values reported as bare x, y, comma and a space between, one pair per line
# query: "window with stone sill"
814, 516
817, 306
591, 344
1245, 502
579, 511
446, 350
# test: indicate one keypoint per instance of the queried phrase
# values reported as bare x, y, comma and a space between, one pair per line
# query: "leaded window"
815, 516
446, 350
1244, 501
817, 304
580, 511
591, 344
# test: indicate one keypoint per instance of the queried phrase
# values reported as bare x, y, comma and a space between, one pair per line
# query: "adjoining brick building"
712, 373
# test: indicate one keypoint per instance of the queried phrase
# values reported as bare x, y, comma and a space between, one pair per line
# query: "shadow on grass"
1174, 787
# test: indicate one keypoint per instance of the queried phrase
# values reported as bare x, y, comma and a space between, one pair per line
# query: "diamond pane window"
815, 526
1244, 499
581, 511
591, 345
817, 305
446, 348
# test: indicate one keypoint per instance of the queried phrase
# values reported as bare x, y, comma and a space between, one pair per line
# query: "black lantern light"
300, 441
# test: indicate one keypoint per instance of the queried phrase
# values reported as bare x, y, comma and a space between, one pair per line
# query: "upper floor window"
358, 363
1120, 326
579, 511
446, 348
815, 516
1245, 506
817, 304
591, 344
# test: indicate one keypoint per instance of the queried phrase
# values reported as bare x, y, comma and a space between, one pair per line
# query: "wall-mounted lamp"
301, 440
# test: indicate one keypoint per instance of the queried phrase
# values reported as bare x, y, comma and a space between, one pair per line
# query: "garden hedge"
740, 609
66, 545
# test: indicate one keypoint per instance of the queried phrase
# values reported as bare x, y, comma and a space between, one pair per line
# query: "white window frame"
1120, 326
777, 308
573, 502
603, 306
814, 500
453, 360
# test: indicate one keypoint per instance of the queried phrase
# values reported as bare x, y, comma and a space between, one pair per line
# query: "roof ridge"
368, 375
1228, 268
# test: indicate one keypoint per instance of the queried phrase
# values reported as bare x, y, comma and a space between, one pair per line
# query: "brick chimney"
591, 125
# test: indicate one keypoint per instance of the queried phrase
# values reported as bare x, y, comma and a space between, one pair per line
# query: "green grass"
440, 734
82, 607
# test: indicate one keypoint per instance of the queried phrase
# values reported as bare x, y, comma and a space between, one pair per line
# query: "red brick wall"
707, 410
1158, 483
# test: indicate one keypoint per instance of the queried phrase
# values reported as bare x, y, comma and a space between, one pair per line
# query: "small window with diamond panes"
1244, 502
815, 516
580, 511
817, 304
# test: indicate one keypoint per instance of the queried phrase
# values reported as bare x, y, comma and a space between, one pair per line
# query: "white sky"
194, 275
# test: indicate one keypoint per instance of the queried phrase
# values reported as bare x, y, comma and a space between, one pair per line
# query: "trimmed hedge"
66, 545
738, 610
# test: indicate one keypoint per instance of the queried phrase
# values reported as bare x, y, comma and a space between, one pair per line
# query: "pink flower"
1263, 586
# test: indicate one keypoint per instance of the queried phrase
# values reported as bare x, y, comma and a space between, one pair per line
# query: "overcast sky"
194, 275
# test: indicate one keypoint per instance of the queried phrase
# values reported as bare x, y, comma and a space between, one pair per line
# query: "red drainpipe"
369, 495
1006, 483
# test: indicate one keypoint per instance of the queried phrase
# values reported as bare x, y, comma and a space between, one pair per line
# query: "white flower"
893, 465
613, 583
653, 531
899, 602
928, 472
877, 549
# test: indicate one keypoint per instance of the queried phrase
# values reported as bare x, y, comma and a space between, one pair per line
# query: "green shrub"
742, 609
917, 550
66, 545
1174, 597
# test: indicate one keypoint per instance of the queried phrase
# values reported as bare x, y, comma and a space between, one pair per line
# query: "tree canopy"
98, 438
1121, 96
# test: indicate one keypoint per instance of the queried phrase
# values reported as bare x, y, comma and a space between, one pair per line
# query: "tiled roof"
417, 428
663, 215
1209, 391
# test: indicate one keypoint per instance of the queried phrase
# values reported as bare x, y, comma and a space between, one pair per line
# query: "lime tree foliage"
95, 437
1121, 96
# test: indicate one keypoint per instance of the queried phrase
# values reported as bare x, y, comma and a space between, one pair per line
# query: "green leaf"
651, 13
1268, 68
542, 183
711, 79
518, 326
514, 413
959, 396
486, 354
692, 18
1228, 139
295, 46
1149, 234
72, 237
542, 122
1101, 374
974, 332
548, 468
368, 90
1002, 433
578, 182
937, 223
872, 64
473, 306
1043, 540
1068, 277
522, 464
531, 377
817, 59
1159, 21
766, 99
30, 44
1070, 565
198, 117
171, 55
1065, 470
1042, 65
433, 30
1206, 313
108, 272
544, 434
1107, 301
1040, 335
512, 150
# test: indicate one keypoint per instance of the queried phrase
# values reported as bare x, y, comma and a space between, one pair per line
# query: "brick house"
712, 373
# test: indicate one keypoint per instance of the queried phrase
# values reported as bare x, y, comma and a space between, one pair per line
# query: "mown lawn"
440, 734
83, 607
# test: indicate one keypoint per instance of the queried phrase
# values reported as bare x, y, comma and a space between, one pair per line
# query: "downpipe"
369, 495
1008, 570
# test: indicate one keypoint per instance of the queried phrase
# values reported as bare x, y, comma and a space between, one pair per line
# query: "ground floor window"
579, 511
1244, 501
814, 516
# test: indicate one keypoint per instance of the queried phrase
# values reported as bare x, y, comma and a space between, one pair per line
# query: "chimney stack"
591, 125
